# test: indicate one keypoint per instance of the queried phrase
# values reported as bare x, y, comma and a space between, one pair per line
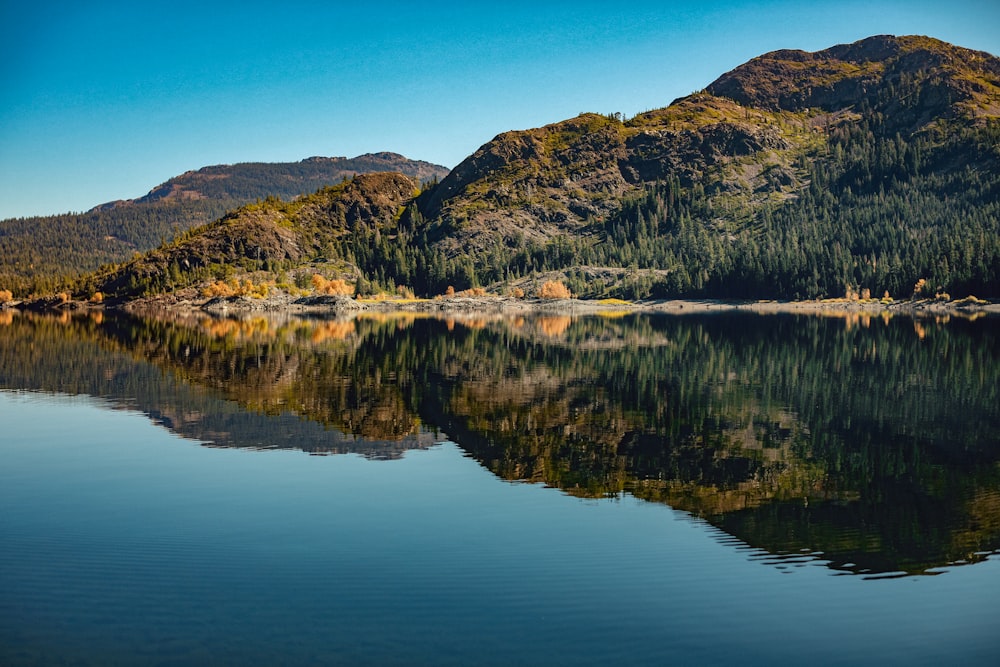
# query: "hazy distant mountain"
248, 181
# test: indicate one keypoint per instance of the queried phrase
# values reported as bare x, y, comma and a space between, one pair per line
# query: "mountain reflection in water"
871, 444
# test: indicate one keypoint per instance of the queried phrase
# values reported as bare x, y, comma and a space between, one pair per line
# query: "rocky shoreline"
284, 303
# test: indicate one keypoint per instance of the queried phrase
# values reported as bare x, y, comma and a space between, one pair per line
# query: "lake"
402, 489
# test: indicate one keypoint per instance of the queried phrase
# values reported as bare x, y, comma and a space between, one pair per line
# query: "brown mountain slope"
948, 81
537, 183
749, 135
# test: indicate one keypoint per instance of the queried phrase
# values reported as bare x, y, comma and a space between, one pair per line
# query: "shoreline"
508, 305
181, 304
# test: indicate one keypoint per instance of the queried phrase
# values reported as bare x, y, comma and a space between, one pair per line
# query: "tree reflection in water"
869, 443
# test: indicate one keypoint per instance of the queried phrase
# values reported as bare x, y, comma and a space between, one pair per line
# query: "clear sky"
105, 100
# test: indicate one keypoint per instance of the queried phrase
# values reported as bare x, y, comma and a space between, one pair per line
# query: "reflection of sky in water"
121, 541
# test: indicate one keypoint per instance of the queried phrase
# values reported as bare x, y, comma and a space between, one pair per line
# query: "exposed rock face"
667, 144
534, 183
560, 177
946, 79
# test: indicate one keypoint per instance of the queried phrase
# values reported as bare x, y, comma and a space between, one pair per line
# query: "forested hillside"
276, 238
879, 214
37, 254
869, 166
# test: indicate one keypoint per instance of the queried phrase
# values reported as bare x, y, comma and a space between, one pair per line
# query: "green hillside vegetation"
860, 170
879, 214
282, 240
39, 254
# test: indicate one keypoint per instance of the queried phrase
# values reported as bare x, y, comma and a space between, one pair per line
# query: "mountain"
908, 124
248, 181
271, 236
36, 252
932, 80
865, 168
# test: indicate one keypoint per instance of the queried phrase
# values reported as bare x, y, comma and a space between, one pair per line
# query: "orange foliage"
6, 295
554, 289
554, 326
218, 288
335, 287
332, 330
236, 288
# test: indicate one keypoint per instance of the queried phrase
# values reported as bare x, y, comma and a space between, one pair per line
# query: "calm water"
692, 490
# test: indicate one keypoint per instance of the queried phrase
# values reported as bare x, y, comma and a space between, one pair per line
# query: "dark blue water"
122, 542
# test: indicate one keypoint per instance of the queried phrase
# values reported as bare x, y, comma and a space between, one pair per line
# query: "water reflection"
870, 444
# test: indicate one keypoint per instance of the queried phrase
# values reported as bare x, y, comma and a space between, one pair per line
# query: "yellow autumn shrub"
554, 289
335, 287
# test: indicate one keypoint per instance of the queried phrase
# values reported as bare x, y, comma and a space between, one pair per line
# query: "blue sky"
105, 100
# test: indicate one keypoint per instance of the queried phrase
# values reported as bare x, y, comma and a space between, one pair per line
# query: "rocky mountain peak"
880, 72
